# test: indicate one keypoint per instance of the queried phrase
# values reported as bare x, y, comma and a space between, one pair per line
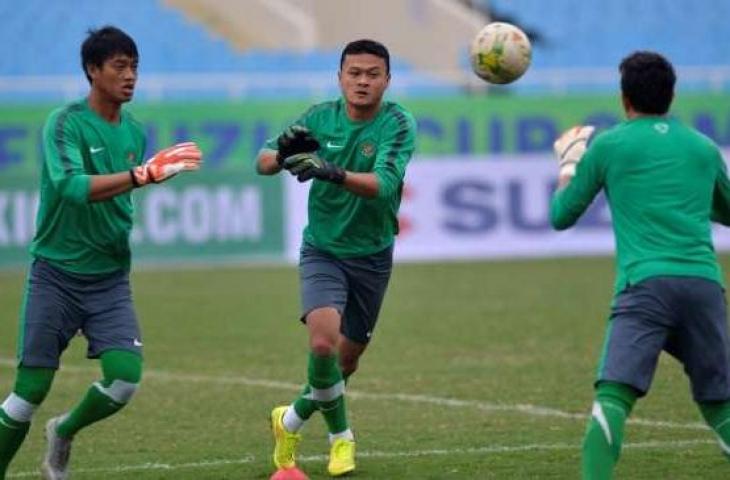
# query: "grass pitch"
476, 371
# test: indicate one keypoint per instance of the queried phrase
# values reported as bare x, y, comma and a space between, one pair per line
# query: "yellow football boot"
342, 457
285, 443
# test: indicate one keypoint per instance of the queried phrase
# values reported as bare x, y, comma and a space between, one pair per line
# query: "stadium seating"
41, 38
577, 33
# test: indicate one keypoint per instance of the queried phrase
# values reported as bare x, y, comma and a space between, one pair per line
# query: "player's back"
659, 177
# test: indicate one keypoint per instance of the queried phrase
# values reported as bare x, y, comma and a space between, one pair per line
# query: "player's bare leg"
350, 353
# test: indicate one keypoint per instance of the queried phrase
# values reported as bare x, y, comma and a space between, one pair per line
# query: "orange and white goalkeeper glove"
167, 163
570, 147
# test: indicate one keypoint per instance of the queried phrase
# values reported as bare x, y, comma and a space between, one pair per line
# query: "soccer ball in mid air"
500, 53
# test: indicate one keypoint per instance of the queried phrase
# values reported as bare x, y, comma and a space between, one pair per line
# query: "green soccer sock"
122, 373
12, 434
31, 387
605, 431
328, 391
717, 416
93, 407
304, 405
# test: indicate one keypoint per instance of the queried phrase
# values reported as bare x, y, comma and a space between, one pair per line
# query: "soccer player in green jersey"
664, 183
79, 276
355, 150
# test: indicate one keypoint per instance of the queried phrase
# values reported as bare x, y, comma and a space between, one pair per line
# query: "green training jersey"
71, 232
340, 222
660, 178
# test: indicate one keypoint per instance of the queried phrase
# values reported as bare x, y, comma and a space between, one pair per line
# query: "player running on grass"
79, 277
356, 149
664, 183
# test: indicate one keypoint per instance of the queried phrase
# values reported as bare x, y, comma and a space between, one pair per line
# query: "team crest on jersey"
367, 149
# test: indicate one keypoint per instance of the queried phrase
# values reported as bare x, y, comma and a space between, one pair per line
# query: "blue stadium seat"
42, 38
599, 34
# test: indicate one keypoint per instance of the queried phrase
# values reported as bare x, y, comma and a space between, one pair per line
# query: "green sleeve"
62, 156
569, 202
721, 194
393, 153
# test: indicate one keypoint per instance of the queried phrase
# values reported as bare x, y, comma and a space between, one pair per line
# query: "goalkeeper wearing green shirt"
664, 183
355, 150
79, 277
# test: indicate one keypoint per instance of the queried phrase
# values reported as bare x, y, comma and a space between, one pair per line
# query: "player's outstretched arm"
306, 166
104, 187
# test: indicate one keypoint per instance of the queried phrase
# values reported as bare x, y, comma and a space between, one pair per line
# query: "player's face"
363, 80
116, 77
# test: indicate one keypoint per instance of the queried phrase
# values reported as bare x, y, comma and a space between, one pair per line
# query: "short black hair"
366, 46
102, 44
647, 80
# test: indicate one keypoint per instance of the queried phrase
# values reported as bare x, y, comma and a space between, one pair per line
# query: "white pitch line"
148, 466
487, 450
527, 409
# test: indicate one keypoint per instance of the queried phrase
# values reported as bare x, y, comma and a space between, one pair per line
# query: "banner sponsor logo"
17, 217
191, 218
198, 215
462, 208
232, 133
491, 209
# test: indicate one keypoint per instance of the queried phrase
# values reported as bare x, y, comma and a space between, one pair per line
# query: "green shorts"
354, 286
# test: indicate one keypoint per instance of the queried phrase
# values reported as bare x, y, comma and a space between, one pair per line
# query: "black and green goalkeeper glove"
295, 139
306, 166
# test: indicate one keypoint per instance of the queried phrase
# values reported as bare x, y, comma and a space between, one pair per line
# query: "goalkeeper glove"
167, 163
306, 166
295, 139
570, 147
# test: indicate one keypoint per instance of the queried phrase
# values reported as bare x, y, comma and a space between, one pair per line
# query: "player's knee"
122, 375
121, 365
322, 346
119, 391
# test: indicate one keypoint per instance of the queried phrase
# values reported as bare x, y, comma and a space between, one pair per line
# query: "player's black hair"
366, 46
647, 80
102, 44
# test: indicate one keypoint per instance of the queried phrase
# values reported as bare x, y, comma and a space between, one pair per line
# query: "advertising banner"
193, 218
231, 133
459, 208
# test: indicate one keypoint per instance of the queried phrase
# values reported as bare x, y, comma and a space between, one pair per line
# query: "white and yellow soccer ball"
500, 53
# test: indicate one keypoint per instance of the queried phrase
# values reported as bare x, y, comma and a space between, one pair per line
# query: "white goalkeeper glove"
570, 147
167, 163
